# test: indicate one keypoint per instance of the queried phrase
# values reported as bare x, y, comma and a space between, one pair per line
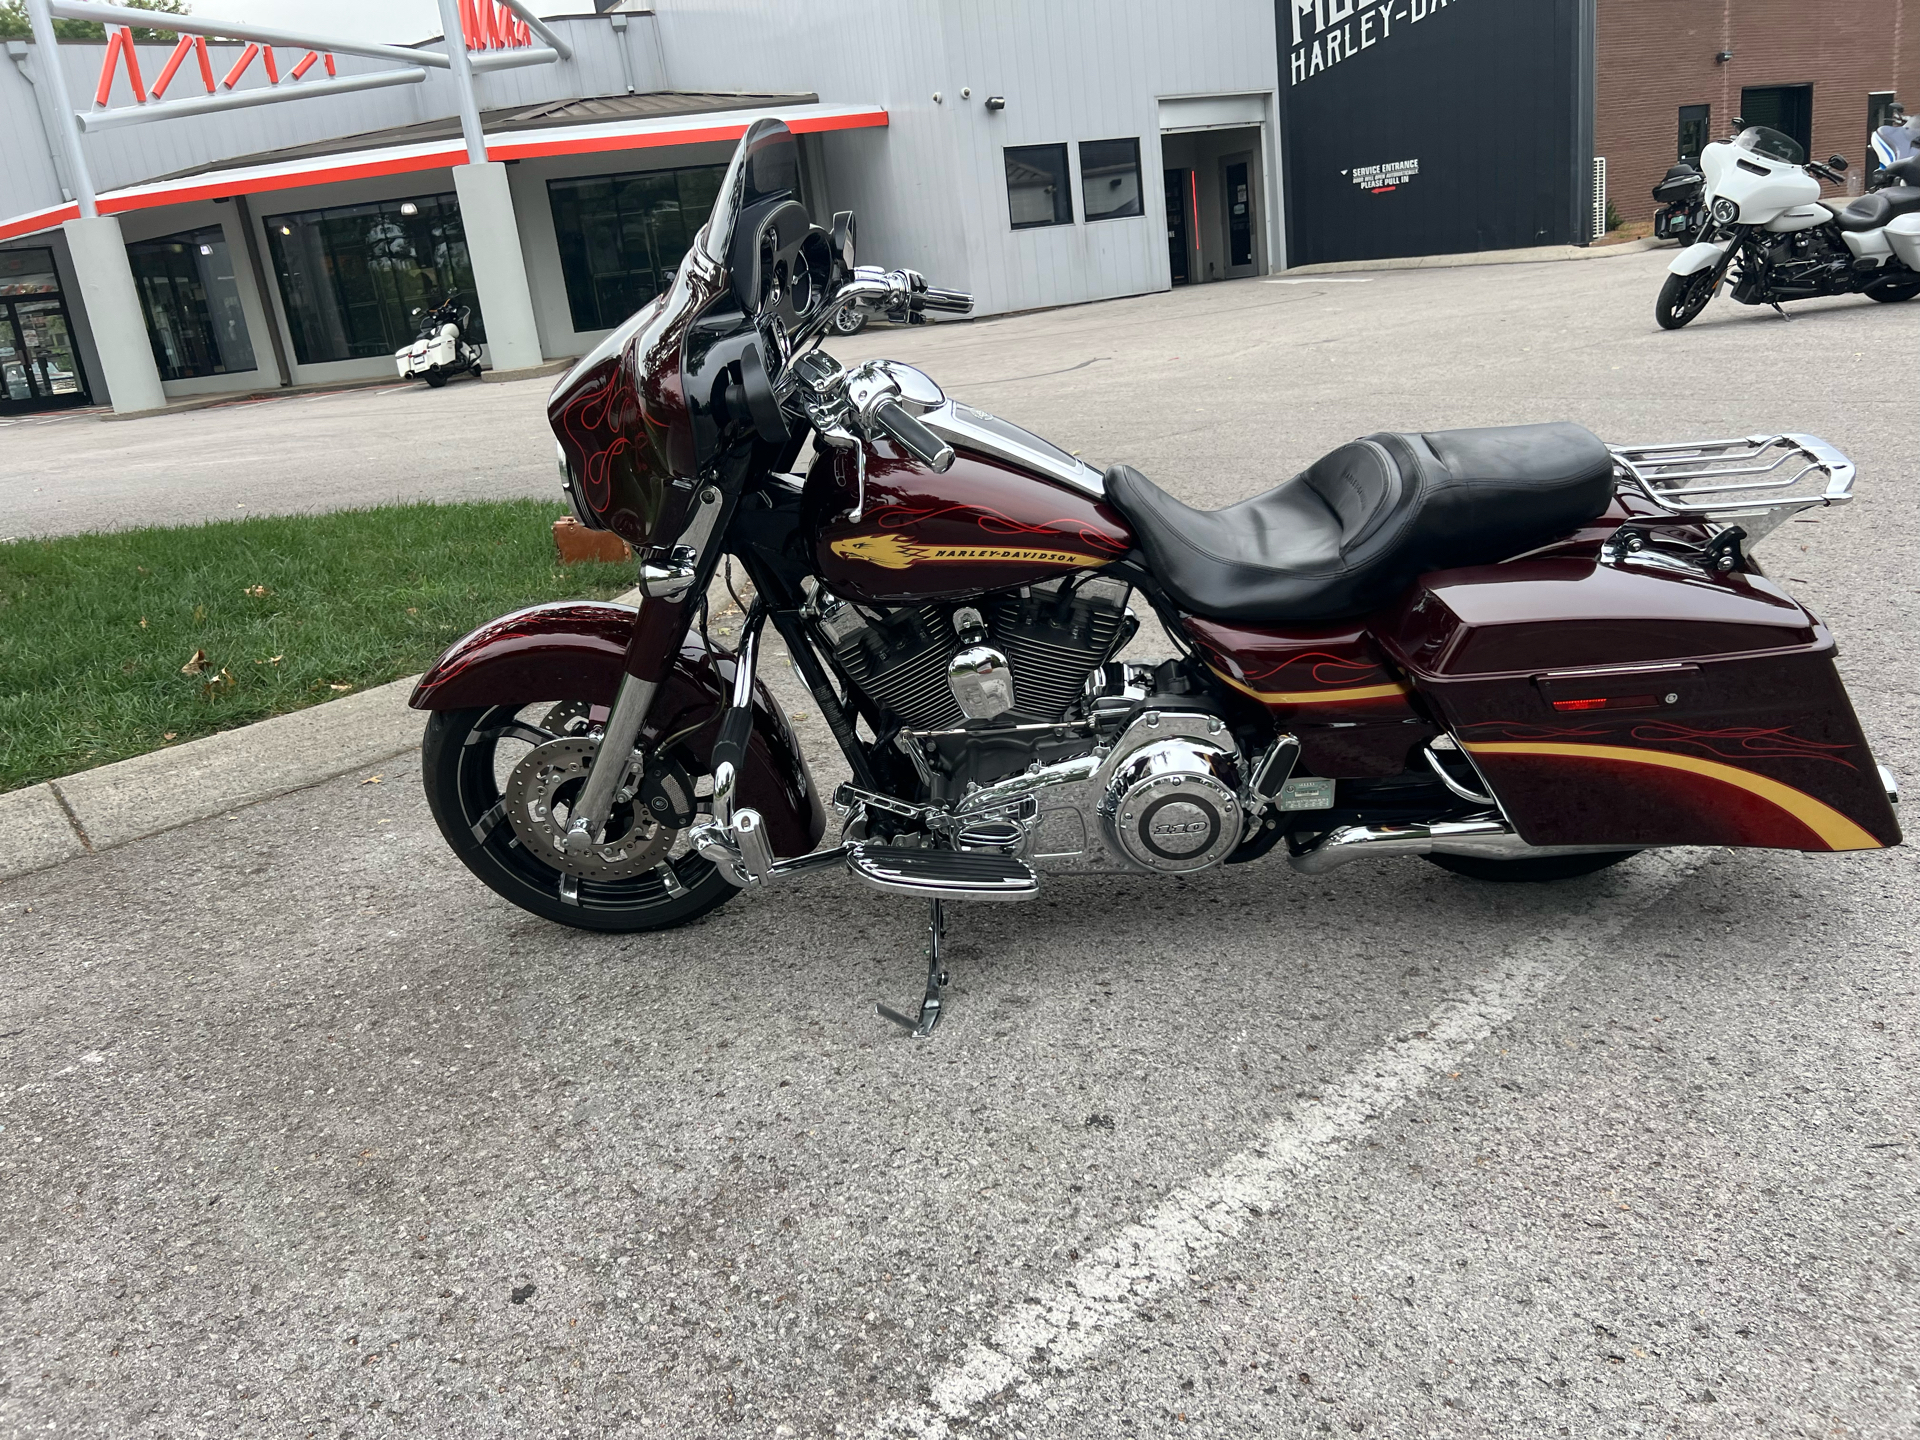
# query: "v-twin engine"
1167, 796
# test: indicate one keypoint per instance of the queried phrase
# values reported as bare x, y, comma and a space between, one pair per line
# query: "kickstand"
1778, 311
936, 982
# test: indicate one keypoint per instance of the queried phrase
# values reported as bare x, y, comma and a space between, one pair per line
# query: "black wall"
1491, 98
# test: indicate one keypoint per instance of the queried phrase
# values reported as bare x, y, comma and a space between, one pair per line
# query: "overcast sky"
396, 22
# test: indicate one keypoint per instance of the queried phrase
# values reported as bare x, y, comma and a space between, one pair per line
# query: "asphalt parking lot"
308, 1134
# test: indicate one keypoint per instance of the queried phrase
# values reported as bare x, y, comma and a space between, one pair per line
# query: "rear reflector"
1615, 702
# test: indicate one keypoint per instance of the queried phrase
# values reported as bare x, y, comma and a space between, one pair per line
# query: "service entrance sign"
1433, 127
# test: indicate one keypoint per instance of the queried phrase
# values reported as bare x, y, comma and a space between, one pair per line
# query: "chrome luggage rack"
1757, 483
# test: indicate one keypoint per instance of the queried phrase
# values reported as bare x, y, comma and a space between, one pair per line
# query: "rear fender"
1697, 257
577, 651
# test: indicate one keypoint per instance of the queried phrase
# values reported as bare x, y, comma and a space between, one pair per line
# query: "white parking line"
1104, 1292
1328, 280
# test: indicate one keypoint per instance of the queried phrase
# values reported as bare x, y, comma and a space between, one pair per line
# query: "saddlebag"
1644, 701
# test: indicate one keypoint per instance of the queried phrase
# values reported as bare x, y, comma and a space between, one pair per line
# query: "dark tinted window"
350, 276
191, 304
1110, 178
1786, 108
27, 272
620, 234
1038, 192
1695, 125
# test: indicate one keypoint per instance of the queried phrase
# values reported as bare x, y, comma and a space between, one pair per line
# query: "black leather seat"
1870, 212
1358, 525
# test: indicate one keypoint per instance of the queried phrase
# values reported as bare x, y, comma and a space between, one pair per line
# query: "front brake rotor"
650, 807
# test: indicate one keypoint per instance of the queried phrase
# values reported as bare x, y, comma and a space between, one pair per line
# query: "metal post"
462, 80
49, 55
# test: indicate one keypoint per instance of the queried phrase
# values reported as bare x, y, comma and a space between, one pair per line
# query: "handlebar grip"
953, 302
913, 437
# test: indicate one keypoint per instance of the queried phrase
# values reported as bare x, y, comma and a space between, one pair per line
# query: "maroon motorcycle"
1518, 653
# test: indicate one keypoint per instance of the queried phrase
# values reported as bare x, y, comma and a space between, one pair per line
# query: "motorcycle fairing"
1642, 703
577, 650
1699, 256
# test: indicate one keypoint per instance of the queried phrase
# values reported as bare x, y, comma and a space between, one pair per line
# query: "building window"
28, 272
1110, 178
622, 235
352, 275
38, 367
1038, 192
192, 305
1695, 123
1786, 108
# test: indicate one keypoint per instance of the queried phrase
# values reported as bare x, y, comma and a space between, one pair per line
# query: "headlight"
1725, 211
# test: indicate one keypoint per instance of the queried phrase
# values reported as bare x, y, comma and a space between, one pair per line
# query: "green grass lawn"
99, 633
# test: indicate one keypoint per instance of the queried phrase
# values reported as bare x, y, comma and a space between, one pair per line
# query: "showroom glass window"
1037, 189
352, 275
38, 367
621, 236
1694, 123
1110, 178
192, 305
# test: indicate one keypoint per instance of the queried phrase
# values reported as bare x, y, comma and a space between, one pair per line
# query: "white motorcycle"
1771, 232
440, 351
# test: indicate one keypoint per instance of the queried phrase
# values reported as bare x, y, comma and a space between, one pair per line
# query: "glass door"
16, 389
39, 369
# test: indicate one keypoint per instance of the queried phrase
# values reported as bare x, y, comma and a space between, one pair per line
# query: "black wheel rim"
483, 811
1693, 298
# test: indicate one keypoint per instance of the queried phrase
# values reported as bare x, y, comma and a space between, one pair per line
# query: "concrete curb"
531, 372
235, 397
280, 392
1479, 257
95, 810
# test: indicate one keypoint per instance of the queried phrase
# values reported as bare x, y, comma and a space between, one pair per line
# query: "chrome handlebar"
903, 296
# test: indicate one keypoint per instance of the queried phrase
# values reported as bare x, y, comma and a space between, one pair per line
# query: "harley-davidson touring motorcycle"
1768, 229
1518, 653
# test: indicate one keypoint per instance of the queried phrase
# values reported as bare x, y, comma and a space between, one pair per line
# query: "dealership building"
1033, 155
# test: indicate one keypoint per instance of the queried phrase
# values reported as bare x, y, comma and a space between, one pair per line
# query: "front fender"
1697, 257
577, 650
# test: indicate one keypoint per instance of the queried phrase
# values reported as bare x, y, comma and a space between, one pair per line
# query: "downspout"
17, 52
619, 23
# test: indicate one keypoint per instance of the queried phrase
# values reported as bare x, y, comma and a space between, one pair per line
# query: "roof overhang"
723, 125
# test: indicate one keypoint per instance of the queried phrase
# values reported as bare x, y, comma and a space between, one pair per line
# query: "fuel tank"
995, 520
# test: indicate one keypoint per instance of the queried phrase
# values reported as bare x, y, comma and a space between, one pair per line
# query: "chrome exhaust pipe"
1490, 838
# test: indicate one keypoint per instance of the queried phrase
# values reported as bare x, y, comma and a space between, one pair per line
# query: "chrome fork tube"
630, 705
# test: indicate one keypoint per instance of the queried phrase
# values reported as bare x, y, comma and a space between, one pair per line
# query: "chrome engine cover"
1166, 810
1165, 799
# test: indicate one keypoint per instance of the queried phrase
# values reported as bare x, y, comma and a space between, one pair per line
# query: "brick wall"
1656, 55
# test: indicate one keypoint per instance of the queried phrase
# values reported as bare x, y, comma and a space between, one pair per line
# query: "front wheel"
1532, 869
1892, 292
1682, 297
500, 781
